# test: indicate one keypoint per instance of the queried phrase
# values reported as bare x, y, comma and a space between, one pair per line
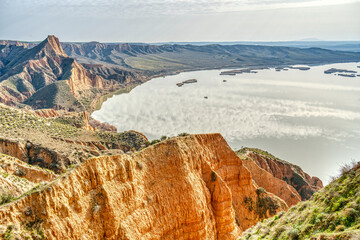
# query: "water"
308, 118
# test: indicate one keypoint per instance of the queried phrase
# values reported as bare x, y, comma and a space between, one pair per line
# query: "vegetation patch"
331, 213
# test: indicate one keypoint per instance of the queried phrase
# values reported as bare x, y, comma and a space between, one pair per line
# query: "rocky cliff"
192, 187
17, 177
33, 76
260, 161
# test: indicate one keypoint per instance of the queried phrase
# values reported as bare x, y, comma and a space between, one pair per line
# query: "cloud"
166, 7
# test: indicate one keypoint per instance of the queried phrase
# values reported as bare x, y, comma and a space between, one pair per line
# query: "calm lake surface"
308, 118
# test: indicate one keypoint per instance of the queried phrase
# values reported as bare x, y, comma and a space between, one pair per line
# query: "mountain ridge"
91, 70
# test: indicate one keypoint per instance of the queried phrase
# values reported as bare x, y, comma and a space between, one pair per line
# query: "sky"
178, 21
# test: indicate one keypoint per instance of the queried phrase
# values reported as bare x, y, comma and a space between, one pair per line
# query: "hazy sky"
185, 20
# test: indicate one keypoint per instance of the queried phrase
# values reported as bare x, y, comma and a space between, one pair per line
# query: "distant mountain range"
74, 76
353, 46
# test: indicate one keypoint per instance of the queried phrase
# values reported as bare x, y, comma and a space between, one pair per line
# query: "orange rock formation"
192, 187
272, 184
44, 65
47, 113
293, 175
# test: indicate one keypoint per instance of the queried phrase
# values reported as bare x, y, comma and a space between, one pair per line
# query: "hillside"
332, 213
189, 187
57, 141
44, 76
158, 59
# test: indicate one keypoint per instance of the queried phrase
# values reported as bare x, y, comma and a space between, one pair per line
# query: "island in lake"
239, 71
186, 81
278, 69
301, 68
346, 75
338, 70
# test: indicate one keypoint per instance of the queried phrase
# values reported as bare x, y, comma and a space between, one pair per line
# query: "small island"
300, 68
278, 69
186, 82
337, 70
239, 71
346, 75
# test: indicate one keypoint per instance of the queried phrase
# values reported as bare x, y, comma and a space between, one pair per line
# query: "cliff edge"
192, 187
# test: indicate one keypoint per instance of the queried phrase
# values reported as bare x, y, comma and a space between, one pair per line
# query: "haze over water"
308, 118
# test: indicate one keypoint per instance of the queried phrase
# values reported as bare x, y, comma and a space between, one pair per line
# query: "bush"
183, 134
350, 216
294, 234
6, 197
154, 141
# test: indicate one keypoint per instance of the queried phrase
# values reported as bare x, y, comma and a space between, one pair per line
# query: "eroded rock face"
293, 175
17, 177
26, 71
272, 184
34, 154
192, 187
46, 113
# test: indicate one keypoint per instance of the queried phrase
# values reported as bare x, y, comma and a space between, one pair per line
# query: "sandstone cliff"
46, 113
26, 72
17, 177
261, 162
192, 187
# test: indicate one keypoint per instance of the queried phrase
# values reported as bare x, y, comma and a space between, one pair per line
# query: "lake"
307, 118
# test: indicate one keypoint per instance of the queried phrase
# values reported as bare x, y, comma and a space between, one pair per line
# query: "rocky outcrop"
13, 148
27, 71
272, 184
87, 125
116, 73
192, 187
17, 177
81, 80
46, 113
35, 154
293, 175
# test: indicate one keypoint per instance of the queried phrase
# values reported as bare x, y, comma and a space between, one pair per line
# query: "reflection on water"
308, 118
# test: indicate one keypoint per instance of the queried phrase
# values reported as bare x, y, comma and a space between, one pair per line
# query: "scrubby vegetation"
243, 150
331, 213
15, 123
133, 139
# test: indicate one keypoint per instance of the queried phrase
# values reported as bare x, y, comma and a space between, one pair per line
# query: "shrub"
294, 234
347, 167
278, 231
183, 134
340, 228
350, 216
154, 141
6, 197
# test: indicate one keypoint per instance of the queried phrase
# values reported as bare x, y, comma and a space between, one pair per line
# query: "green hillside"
332, 213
